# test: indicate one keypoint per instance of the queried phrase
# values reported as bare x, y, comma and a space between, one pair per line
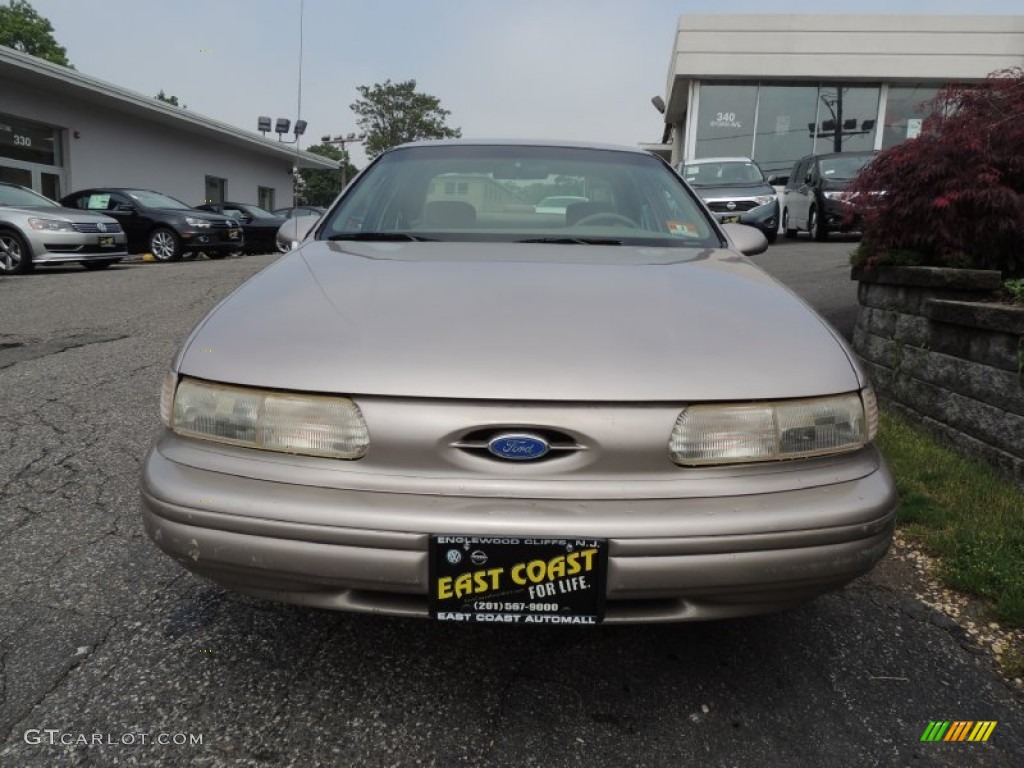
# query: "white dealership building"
61, 131
778, 87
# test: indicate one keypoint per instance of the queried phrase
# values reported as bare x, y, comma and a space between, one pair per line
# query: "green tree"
24, 30
390, 114
172, 100
319, 186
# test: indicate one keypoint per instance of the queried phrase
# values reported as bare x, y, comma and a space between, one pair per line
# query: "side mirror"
773, 180
294, 231
749, 241
808, 178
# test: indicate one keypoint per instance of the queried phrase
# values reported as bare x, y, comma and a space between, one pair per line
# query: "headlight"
167, 398
289, 422
835, 194
733, 433
197, 223
51, 225
764, 199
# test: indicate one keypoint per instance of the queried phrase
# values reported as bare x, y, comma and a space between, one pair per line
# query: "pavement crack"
12, 355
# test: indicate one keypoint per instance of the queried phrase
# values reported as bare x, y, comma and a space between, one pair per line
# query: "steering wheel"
606, 217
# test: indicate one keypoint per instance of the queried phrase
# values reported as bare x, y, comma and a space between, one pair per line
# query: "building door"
31, 155
216, 189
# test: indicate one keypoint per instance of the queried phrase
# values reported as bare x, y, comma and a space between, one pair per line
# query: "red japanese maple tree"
953, 196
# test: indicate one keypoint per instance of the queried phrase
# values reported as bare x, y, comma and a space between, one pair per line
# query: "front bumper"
841, 217
73, 247
764, 217
212, 239
670, 559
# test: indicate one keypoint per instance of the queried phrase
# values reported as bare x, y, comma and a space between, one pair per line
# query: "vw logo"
731, 205
518, 447
101, 227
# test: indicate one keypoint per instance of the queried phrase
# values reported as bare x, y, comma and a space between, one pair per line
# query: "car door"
798, 195
131, 217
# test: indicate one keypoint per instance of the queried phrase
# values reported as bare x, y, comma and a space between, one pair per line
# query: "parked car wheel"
15, 256
816, 226
164, 244
96, 265
790, 231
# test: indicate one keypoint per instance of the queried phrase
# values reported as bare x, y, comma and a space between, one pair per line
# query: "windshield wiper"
573, 240
383, 237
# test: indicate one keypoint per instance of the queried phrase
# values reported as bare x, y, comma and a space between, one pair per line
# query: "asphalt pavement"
111, 654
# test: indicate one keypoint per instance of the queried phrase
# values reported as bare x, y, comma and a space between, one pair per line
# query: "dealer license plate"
729, 219
106, 241
518, 580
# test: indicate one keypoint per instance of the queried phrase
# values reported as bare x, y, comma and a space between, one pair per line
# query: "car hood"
193, 212
47, 212
514, 322
732, 191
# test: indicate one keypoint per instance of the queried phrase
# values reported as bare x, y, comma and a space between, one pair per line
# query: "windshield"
723, 173
19, 196
539, 194
156, 200
257, 212
843, 167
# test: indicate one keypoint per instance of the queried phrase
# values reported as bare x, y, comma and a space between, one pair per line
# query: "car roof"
521, 143
718, 160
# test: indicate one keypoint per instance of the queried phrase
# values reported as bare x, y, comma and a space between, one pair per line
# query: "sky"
550, 69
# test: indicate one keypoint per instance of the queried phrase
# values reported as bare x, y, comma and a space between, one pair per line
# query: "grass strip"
961, 511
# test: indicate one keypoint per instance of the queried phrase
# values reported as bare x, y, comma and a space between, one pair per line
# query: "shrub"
955, 194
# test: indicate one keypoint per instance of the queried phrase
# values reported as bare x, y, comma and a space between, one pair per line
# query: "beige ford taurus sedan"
445, 404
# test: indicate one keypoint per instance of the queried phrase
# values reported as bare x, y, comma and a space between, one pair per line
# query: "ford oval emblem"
518, 447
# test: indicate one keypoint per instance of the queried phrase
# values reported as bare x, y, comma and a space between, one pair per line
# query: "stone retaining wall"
939, 354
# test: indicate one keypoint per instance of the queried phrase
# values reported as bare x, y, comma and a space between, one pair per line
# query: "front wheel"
15, 256
164, 244
816, 226
790, 232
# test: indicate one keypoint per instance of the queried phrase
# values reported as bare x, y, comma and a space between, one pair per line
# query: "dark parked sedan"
158, 224
468, 410
259, 225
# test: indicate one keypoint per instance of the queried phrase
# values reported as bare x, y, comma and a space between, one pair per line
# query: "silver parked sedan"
35, 230
446, 404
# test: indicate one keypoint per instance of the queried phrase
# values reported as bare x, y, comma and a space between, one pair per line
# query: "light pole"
341, 141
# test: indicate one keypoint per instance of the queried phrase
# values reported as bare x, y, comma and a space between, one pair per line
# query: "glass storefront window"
726, 120
847, 117
906, 108
782, 133
28, 141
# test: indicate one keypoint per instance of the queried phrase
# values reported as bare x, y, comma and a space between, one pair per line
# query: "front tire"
165, 245
816, 226
790, 232
15, 256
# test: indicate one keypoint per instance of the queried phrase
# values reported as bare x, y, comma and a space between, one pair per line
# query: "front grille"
738, 206
559, 443
90, 228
